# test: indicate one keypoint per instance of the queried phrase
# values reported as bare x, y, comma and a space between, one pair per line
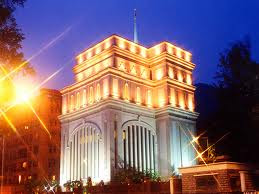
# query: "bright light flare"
22, 93
199, 154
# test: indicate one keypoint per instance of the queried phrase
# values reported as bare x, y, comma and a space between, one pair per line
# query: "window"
98, 92
84, 97
72, 102
36, 149
78, 100
52, 163
52, 149
149, 98
138, 98
91, 95
126, 92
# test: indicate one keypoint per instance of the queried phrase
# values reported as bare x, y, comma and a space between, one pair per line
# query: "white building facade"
130, 106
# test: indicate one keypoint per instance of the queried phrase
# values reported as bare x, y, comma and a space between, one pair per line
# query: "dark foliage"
131, 175
11, 37
236, 100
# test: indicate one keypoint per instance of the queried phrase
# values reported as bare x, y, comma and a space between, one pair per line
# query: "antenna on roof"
135, 26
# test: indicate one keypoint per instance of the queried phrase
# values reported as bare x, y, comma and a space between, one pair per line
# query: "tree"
11, 56
11, 37
235, 88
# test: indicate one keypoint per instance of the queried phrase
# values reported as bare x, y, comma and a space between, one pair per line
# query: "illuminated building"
31, 153
129, 106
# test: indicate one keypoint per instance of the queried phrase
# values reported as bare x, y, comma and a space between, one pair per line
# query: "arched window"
138, 97
139, 146
98, 92
85, 152
91, 97
126, 91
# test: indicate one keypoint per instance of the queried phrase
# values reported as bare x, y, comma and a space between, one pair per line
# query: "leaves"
236, 83
11, 38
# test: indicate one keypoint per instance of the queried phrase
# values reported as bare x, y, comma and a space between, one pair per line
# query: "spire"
135, 26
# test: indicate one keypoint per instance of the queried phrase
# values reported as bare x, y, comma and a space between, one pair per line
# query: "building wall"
136, 97
33, 152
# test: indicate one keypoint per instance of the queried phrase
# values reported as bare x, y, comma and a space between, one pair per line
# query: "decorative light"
181, 100
190, 102
180, 76
98, 50
143, 52
132, 48
171, 73
188, 79
149, 98
122, 44
161, 97
107, 44
64, 105
105, 88
77, 100
179, 52
126, 92
80, 59
159, 74
89, 54
172, 97
84, 97
80, 76
91, 97
98, 92
188, 57
72, 103
169, 49
19, 178
157, 50
115, 88
138, 98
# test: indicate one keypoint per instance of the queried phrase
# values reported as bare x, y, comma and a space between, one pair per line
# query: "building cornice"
214, 167
127, 76
109, 103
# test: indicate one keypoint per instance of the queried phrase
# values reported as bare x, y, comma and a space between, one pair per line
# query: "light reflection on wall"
159, 74
188, 79
180, 76
105, 88
170, 73
138, 97
172, 97
111, 87
181, 100
149, 98
115, 88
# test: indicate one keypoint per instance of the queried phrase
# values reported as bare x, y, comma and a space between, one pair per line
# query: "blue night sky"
203, 27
